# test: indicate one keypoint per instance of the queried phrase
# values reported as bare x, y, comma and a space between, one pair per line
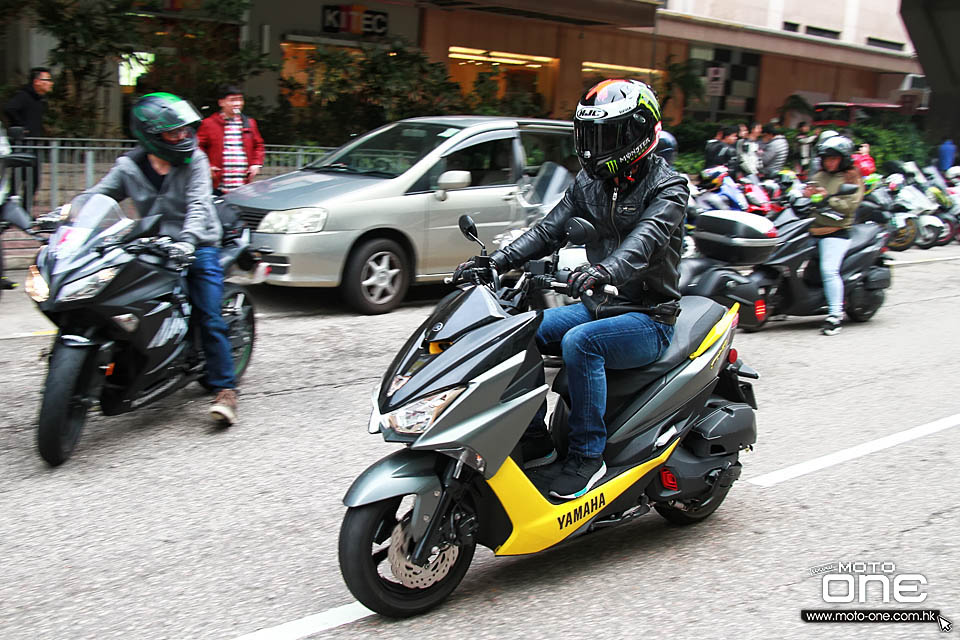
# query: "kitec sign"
354, 18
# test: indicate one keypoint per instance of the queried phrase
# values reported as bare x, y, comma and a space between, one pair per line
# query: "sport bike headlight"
308, 220
86, 287
419, 415
36, 286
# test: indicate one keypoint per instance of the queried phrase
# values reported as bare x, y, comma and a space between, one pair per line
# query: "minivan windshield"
386, 152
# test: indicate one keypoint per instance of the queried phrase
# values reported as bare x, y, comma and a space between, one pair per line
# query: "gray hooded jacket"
185, 199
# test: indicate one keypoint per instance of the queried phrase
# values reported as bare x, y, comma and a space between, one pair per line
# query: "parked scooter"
460, 394
118, 297
786, 277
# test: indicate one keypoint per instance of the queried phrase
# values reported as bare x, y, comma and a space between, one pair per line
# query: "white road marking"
898, 263
31, 334
803, 468
309, 625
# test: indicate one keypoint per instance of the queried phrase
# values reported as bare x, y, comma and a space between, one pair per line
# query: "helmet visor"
599, 138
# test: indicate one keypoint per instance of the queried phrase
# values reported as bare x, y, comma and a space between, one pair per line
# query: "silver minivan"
380, 213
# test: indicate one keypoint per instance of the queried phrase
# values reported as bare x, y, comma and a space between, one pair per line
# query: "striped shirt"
234, 157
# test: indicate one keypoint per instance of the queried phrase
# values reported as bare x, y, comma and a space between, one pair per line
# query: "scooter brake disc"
409, 574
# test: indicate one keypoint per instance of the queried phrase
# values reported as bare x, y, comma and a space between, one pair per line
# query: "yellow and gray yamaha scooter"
459, 396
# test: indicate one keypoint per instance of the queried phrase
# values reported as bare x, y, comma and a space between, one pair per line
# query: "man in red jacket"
232, 142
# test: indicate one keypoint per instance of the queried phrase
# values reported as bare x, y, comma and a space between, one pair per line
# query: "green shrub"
690, 162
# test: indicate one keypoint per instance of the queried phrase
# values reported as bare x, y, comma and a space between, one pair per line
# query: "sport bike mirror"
145, 227
580, 231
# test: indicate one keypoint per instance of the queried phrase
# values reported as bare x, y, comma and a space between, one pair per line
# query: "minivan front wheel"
376, 277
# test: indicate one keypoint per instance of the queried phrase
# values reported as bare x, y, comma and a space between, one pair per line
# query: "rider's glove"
585, 278
180, 250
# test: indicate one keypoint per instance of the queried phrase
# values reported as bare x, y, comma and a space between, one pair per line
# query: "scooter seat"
697, 317
861, 235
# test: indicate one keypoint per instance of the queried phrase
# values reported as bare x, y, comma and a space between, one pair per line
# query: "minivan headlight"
306, 220
419, 415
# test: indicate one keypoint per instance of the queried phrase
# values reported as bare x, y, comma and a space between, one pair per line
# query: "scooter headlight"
86, 287
419, 415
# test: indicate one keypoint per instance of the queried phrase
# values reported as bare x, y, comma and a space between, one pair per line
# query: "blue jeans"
589, 347
205, 286
832, 251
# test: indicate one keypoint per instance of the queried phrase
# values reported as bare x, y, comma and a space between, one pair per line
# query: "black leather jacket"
640, 234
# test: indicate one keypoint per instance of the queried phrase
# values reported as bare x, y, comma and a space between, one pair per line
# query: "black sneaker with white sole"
831, 326
538, 450
578, 475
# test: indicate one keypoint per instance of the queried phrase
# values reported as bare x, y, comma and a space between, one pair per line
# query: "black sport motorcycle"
118, 296
459, 396
772, 270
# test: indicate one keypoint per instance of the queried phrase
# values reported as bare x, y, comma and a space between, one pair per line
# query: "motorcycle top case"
735, 237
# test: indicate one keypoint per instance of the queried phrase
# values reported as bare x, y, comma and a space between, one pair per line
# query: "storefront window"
302, 69
519, 72
593, 72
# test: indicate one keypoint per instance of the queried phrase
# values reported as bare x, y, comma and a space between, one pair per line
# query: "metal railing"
70, 165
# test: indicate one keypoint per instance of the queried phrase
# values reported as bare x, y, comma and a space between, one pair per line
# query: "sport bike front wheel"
374, 545
63, 410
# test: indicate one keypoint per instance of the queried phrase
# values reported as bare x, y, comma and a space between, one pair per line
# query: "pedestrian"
947, 152
775, 150
712, 148
805, 140
724, 153
167, 175
28, 105
637, 250
232, 142
748, 149
863, 161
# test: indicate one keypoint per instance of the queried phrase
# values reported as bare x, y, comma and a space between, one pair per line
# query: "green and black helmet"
157, 113
616, 128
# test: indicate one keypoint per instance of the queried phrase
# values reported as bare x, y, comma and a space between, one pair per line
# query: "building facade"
751, 54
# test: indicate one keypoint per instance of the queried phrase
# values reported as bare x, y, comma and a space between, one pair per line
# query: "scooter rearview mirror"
469, 229
580, 231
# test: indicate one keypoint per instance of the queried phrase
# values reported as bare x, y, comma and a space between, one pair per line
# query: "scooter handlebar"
607, 288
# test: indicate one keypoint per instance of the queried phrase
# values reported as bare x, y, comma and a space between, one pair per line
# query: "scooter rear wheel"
692, 511
63, 409
366, 537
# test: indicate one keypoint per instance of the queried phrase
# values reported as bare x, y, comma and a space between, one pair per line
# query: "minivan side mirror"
451, 180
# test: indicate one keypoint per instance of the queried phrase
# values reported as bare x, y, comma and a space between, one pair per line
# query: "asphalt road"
162, 527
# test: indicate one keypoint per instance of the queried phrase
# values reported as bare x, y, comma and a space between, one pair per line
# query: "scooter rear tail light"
760, 310
732, 356
668, 480
772, 233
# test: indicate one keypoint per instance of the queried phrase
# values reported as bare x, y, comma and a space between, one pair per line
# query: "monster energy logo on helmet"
648, 99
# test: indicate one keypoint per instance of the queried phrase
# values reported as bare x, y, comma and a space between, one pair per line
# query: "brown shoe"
224, 408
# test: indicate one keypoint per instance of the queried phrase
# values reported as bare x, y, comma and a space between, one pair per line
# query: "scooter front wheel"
374, 546
63, 410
